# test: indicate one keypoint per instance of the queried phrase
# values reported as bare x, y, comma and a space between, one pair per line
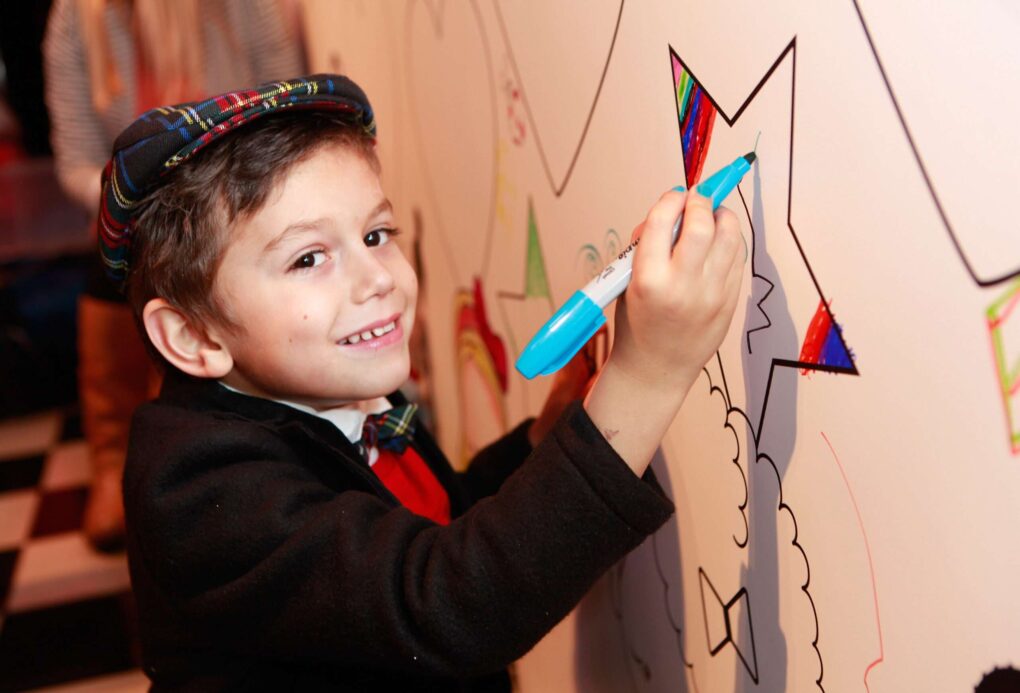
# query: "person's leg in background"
115, 375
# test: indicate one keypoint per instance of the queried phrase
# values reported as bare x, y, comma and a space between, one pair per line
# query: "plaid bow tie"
390, 430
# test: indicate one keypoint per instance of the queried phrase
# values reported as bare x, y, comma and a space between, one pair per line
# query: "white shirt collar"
349, 418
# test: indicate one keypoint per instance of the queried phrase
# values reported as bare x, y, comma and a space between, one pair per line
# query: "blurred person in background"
106, 62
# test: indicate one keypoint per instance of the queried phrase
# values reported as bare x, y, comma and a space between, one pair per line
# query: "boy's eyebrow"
384, 206
313, 224
293, 230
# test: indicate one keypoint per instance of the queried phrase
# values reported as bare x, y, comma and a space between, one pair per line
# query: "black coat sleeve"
491, 466
250, 552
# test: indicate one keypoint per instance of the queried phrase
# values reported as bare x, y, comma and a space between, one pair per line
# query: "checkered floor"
66, 613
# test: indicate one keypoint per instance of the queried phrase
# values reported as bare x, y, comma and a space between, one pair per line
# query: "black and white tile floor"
66, 613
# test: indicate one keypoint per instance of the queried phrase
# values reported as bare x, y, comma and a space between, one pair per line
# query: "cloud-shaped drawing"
713, 619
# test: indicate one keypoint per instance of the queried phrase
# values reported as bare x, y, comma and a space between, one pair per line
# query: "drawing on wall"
523, 312
989, 259
695, 115
871, 563
591, 261
481, 371
757, 562
514, 109
1004, 329
535, 292
723, 622
454, 159
823, 343
560, 158
770, 521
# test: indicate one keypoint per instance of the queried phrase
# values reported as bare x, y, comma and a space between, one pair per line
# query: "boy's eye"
309, 260
380, 237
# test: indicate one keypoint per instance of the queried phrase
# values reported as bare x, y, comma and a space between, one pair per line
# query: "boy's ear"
187, 346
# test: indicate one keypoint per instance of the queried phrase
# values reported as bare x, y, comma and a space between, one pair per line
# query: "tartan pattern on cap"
163, 138
390, 430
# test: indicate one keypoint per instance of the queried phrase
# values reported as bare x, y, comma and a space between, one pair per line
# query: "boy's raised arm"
668, 324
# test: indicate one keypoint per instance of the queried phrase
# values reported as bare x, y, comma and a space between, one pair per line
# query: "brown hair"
182, 228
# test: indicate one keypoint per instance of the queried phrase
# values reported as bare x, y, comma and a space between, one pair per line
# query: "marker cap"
561, 337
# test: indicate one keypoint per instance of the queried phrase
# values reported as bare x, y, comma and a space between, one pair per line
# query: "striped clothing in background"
82, 138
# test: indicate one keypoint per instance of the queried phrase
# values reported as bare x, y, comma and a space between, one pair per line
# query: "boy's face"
323, 296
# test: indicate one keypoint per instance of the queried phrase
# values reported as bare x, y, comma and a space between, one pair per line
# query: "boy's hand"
668, 324
678, 306
571, 382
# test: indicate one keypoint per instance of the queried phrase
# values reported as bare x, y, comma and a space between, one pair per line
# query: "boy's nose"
370, 276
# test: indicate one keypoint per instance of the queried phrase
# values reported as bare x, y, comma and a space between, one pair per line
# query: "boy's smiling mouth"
376, 334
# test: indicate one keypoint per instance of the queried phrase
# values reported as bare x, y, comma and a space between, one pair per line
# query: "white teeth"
369, 334
380, 331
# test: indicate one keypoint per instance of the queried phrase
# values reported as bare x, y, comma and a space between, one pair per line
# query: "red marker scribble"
871, 564
473, 316
696, 113
823, 343
814, 340
514, 109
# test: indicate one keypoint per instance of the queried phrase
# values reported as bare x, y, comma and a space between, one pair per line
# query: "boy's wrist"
660, 384
633, 412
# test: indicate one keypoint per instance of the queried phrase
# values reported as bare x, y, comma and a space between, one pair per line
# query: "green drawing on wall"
536, 282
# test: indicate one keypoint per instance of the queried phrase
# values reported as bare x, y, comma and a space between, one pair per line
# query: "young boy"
274, 546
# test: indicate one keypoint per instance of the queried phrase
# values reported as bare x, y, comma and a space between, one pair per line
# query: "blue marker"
581, 317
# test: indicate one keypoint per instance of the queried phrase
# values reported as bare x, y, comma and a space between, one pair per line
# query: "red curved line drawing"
871, 564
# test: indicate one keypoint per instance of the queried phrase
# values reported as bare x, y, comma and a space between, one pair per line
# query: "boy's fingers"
657, 230
734, 277
696, 234
732, 286
727, 243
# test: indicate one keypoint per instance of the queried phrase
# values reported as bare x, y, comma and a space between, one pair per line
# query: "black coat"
264, 553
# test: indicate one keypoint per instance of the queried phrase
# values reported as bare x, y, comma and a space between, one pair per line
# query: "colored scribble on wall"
529, 315
481, 373
696, 114
1004, 329
536, 281
514, 111
823, 344
523, 311
769, 563
591, 261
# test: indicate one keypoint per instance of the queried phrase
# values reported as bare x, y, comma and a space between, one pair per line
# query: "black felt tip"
750, 157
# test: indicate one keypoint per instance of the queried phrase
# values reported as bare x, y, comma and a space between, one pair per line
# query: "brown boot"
114, 374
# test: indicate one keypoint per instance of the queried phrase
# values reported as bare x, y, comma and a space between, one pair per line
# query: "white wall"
862, 526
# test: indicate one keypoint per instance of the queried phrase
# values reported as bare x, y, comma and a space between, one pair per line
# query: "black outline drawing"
723, 390
437, 17
726, 606
559, 187
791, 49
980, 281
562, 185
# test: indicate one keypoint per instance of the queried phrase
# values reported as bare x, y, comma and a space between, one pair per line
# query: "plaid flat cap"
164, 137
